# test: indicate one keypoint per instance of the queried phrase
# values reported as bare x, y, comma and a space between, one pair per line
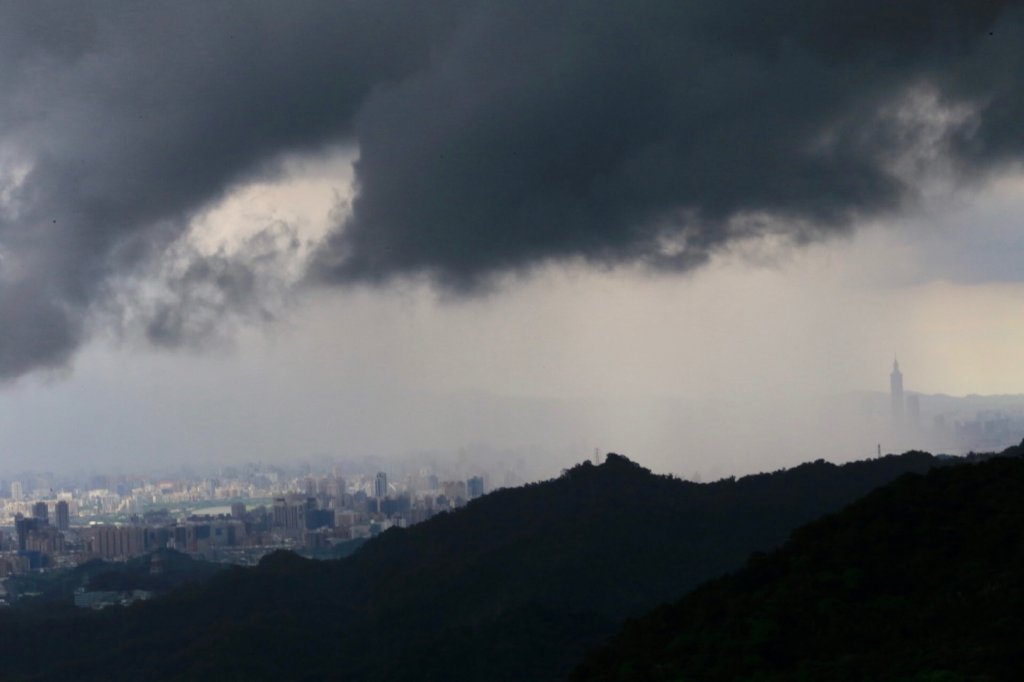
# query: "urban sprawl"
236, 518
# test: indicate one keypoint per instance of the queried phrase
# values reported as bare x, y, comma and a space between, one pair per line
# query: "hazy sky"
245, 231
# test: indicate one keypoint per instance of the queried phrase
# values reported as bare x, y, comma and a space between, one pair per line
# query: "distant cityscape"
235, 518
942, 423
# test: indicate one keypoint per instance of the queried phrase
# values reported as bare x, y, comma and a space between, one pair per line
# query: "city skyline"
238, 517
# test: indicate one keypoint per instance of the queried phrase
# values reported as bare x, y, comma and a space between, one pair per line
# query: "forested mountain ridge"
517, 585
921, 580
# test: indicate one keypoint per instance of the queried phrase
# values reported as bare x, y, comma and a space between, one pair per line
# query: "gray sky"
233, 232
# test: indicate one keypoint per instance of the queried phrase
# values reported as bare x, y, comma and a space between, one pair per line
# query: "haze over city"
383, 229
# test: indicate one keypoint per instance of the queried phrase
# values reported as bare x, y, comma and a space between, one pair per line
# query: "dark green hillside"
921, 580
517, 585
58, 587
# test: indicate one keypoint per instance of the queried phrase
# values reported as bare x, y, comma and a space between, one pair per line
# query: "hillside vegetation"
517, 585
922, 580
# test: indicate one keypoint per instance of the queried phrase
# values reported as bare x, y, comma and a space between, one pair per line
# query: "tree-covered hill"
139, 573
922, 580
517, 585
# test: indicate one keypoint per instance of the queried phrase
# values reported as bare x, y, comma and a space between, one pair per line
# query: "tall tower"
896, 394
380, 485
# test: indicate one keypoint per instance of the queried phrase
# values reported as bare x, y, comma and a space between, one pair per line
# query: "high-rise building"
455, 492
914, 411
113, 542
896, 393
290, 512
23, 527
41, 511
63, 515
474, 487
45, 539
285, 515
380, 486
335, 487
16, 492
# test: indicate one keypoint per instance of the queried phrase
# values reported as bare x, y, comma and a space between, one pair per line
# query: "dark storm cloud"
128, 117
659, 132
492, 135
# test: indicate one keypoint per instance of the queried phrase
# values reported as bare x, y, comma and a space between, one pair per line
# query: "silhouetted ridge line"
517, 585
922, 579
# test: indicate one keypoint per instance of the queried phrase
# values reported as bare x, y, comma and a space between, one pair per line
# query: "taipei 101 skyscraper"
896, 394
